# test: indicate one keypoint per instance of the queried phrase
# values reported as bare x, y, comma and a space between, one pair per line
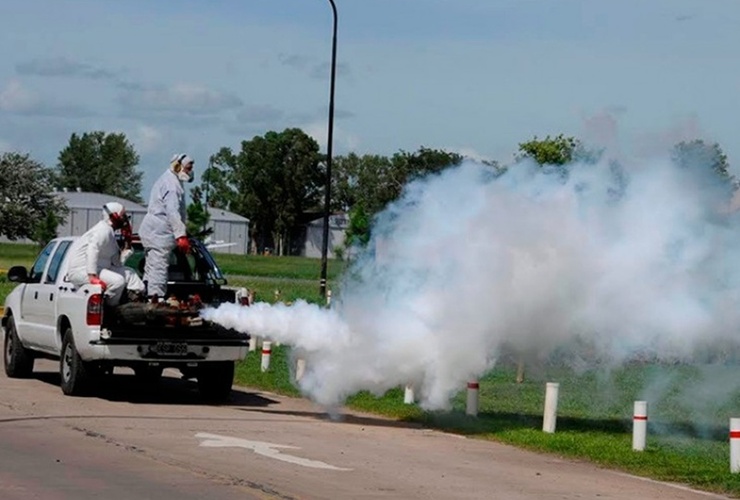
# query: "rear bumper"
186, 351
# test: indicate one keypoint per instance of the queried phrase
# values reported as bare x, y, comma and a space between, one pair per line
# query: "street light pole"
207, 181
329, 141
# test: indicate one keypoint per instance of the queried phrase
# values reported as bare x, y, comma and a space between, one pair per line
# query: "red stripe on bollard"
640, 417
266, 351
473, 385
734, 434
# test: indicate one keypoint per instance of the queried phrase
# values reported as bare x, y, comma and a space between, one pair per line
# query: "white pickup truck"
46, 316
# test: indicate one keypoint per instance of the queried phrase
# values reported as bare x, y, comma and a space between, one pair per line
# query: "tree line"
276, 180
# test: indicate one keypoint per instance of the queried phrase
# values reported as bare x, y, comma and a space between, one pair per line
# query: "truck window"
56, 261
38, 267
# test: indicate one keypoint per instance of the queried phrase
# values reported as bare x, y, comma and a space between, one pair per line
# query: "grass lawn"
296, 268
12, 254
687, 438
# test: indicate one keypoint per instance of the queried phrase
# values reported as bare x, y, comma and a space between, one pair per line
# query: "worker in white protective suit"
96, 258
163, 227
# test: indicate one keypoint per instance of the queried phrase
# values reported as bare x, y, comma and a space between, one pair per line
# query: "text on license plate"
170, 348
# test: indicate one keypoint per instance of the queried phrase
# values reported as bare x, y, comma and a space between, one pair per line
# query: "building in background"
338, 224
230, 231
86, 210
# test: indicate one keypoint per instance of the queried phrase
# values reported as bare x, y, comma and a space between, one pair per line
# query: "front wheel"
215, 380
75, 373
18, 359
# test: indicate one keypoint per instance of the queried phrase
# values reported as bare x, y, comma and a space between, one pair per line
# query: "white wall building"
338, 224
86, 209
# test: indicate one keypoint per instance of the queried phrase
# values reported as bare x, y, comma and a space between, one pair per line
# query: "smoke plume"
613, 260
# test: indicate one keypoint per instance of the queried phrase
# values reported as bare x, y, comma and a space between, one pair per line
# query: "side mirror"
18, 274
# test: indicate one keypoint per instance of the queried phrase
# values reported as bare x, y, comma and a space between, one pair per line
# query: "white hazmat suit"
96, 257
164, 224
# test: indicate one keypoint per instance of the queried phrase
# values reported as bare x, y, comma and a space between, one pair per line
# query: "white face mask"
186, 176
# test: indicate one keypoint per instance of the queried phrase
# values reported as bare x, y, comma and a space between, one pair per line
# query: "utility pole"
330, 137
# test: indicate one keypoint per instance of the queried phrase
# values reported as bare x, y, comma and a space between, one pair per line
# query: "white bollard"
471, 406
735, 445
300, 368
328, 298
266, 352
408, 395
551, 407
639, 426
252, 343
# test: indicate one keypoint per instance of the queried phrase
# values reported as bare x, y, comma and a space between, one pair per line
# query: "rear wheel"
215, 380
75, 373
18, 359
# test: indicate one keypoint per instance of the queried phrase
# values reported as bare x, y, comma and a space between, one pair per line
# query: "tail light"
244, 301
95, 309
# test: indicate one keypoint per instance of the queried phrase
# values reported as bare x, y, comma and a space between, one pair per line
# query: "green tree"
364, 185
27, 199
358, 231
101, 163
700, 155
272, 181
198, 216
558, 150
216, 180
46, 229
708, 168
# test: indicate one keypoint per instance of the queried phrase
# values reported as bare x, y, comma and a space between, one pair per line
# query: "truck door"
35, 301
49, 292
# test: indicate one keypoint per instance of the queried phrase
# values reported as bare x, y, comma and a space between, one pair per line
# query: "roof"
77, 199
218, 214
336, 221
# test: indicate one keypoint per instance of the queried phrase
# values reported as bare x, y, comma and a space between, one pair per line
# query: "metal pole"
329, 141
207, 181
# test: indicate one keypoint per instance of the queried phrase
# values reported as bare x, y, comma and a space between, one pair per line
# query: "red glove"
94, 280
183, 244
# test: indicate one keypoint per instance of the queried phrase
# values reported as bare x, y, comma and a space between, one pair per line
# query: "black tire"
18, 359
215, 380
75, 373
148, 375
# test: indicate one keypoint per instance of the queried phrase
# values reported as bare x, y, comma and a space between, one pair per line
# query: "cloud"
342, 139
339, 114
601, 128
658, 143
62, 67
177, 100
5, 146
295, 60
313, 68
17, 99
470, 154
257, 118
259, 113
147, 139
323, 71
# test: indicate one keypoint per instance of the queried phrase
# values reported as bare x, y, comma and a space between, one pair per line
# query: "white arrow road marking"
270, 450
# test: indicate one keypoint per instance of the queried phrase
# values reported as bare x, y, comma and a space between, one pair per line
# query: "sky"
472, 76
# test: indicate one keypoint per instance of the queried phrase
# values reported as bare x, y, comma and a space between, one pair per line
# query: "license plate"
170, 348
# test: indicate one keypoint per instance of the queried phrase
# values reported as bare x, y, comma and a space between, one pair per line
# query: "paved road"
166, 445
